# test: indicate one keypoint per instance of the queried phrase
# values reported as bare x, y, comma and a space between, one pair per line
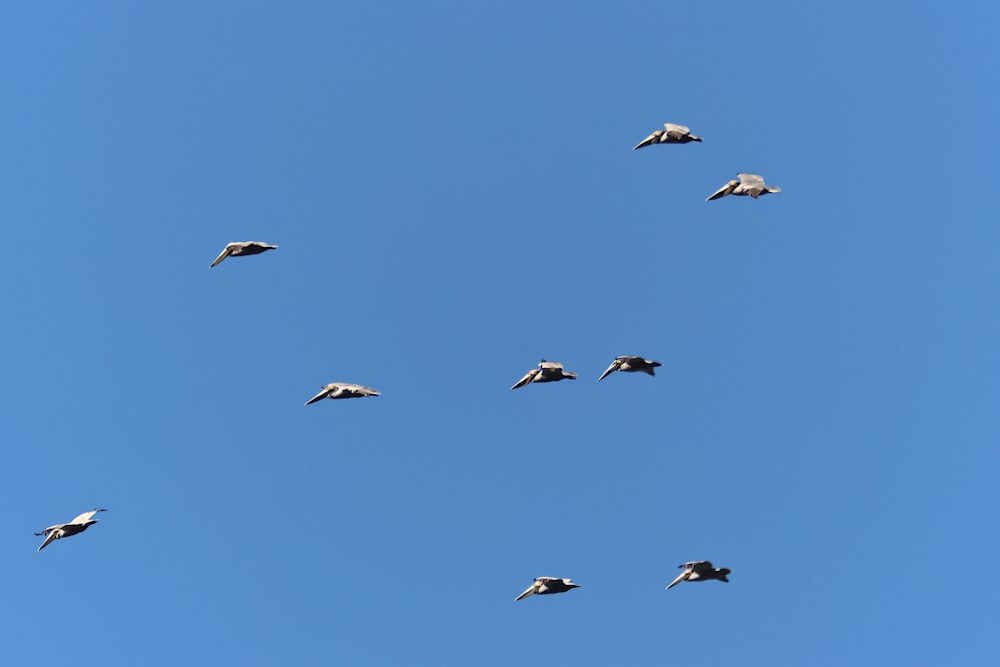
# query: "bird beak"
222, 256
651, 139
318, 397
676, 581
527, 593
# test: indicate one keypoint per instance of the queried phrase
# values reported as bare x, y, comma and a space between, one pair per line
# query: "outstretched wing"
358, 390
751, 181
85, 517
679, 130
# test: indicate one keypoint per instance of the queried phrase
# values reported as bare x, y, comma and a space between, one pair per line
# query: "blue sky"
454, 196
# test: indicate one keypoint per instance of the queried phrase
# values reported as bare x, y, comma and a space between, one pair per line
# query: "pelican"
700, 570
242, 248
631, 365
748, 184
342, 390
77, 525
546, 586
674, 134
547, 371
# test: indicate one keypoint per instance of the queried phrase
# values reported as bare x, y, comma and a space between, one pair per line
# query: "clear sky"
455, 197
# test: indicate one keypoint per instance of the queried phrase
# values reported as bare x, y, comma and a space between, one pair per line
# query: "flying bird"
547, 371
748, 184
631, 365
242, 248
546, 586
342, 390
673, 134
700, 570
61, 530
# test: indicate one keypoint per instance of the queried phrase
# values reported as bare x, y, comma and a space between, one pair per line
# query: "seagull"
700, 570
77, 525
342, 390
547, 371
748, 184
547, 585
631, 365
674, 134
242, 248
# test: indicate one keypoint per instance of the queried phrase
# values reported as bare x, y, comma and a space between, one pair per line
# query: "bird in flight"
342, 390
748, 184
242, 248
546, 586
673, 134
547, 371
61, 530
700, 570
631, 365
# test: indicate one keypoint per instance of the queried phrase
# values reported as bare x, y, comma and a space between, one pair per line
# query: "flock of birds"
751, 185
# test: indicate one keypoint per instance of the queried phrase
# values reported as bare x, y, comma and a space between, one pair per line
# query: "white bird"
631, 365
700, 570
547, 371
546, 586
242, 248
673, 134
748, 184
342, 390
61, 530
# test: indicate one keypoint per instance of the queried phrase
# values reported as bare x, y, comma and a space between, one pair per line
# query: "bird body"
61, 530
631, 365
242, 248
342, 390
748, 185
547, 586
547, 371
673, 134
701, 570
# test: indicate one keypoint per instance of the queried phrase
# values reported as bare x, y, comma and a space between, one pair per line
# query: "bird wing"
324, 392
529, 591
648, 141
85, 517
679, 130
750, 181
724, 190
358, 390
550, 365
615, 365
529, 376
222, 255
48, 540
